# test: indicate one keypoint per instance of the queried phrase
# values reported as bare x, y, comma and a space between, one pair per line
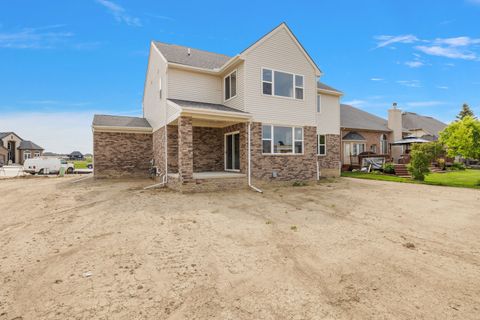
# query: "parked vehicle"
47, 166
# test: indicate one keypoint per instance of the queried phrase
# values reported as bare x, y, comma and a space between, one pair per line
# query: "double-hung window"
282, 140
321, 145
37, 154
230, 86
282, 84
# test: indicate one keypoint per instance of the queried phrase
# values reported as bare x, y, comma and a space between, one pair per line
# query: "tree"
466, 111
462, 138
419, 162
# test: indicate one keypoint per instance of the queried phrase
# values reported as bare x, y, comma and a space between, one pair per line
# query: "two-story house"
259, 115
14, 150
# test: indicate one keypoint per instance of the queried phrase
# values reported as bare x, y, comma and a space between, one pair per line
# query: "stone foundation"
119, 155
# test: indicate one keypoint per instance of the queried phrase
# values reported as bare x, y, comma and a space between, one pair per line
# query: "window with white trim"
319, 103
321, 145
36, 154
384, 144
282, 140
358, 148
230, 85
282, 84
26, 155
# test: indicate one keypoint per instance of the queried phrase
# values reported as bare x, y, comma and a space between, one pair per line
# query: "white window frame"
319, 103
357, 144
226, 135
294, 139
386, 143
36, 154
321, 144
25, 153
230, 81
294, 87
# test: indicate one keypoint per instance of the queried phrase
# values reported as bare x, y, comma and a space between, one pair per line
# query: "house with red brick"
212, 120
367, 135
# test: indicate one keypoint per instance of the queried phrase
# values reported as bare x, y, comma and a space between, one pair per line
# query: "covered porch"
206, 142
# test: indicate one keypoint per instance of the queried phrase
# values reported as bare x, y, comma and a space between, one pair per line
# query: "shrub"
441, 163
457, 166
477, 183
419, 162
389, 168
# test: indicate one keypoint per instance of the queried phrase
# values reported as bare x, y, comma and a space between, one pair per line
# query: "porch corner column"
185, 149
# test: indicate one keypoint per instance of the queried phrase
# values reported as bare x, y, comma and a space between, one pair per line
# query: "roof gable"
430, 125
281, 27
5, 134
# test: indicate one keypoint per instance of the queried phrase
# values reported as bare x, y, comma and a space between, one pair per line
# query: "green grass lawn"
81, 164
465, 178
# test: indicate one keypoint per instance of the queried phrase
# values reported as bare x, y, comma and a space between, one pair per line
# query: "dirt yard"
347, 249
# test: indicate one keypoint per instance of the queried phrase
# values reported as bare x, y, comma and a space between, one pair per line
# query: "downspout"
249, 162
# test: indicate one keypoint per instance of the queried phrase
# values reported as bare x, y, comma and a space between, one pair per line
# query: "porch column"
185, 149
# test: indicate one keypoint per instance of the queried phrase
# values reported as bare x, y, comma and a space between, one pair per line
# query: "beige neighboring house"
259, 115
363, 132
18, 150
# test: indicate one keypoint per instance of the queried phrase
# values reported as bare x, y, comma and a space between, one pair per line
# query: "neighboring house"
261, 114
75, 155
3, 154
18, 150
364, 132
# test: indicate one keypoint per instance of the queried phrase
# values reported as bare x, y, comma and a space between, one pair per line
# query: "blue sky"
63, 61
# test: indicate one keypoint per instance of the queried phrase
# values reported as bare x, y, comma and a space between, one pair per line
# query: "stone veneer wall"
122, 154
330, 163
288, 167
185, 149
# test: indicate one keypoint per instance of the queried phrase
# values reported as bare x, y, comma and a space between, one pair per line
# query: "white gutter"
121, 129
216, 112
249, 163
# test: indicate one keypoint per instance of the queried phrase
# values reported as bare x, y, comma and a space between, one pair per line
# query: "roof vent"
188, 52
394, 105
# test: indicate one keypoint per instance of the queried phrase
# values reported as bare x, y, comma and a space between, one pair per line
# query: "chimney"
395, 122
188, 52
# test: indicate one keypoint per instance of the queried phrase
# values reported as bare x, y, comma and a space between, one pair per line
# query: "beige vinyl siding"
194, 86
153, 106
328, 120
237, 102
279, 52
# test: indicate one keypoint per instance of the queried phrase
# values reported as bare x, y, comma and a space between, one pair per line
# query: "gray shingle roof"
323, 86
204, 105
353, 136
29, 145
351, 117
197, 58
412, 121
120, 121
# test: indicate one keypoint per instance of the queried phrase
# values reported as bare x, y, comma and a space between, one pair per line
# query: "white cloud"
414, 64
474, 1
34, 38
120, 14
442, 87
160, 17
410, 83
447, 52
457, 42
356, 102
420, 104
376, 79
385, 41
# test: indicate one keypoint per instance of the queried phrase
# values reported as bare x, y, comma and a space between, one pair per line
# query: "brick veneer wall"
288, 167
330, 163
158, 140
122, 154
208, 146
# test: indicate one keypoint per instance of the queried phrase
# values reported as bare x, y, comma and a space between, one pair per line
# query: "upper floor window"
282, 84
279, 139
230, 85
319, 103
